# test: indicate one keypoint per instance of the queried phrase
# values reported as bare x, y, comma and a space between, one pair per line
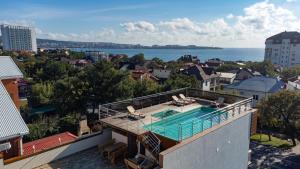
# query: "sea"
227, 54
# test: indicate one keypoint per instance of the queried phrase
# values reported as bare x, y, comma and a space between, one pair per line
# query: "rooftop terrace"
174, 122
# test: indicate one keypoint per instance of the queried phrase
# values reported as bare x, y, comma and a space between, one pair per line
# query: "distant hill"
46, 43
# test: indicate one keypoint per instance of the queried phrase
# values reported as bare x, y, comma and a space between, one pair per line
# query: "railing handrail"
231, 106
145, 97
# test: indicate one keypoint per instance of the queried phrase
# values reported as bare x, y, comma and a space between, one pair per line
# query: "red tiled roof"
47, 143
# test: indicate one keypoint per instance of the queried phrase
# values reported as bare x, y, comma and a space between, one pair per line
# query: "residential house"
12, 125
226, 78
162, 74
96, 55
214, 63
293, 84
243, 74
256, 87
208, 78
142, 75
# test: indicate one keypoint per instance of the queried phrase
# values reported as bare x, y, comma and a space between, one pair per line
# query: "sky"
222, 23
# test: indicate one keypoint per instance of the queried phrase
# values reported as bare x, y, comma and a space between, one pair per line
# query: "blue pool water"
184, 125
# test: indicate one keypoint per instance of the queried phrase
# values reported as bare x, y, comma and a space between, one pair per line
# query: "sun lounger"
218, 102
132, 112
178, 102
190, 100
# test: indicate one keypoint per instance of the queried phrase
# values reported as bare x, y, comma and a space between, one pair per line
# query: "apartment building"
18, 38
283, 49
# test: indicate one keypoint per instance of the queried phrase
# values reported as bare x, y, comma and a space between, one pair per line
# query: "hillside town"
62, 108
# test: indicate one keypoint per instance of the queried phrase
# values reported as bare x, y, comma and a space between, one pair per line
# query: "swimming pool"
165, 114
184, 125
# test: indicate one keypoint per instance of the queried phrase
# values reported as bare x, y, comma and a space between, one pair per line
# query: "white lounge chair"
132, 112
178, 102
218, 102
187, 99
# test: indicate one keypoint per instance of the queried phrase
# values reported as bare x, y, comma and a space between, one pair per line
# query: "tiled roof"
260, 84
11, 122
293, 36
8, 68
48, 143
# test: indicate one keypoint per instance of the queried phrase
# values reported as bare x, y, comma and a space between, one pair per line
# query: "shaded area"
266, 157
88, 159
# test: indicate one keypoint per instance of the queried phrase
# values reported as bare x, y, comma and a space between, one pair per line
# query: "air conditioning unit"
5, 146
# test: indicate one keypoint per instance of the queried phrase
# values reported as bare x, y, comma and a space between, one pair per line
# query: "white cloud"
249, 29
138, 26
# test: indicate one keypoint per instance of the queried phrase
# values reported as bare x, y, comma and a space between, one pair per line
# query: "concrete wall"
223, 148
60, 152
119, 137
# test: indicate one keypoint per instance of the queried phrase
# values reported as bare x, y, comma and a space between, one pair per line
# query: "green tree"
145, 87
55, 70
266, 68
41, 94
177, 81
284, 108
288, 73
137, 59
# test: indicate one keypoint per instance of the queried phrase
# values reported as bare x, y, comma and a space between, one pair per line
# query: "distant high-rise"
283, 49
18, 38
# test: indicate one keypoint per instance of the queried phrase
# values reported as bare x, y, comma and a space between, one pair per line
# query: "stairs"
152, 143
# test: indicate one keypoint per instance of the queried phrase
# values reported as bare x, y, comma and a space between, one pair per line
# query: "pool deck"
136, 126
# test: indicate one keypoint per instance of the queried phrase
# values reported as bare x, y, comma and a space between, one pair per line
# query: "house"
293, 84
95, 55
243, 74
158, 134
12, 125
162, 74
207, 76
141, 75
214, 63
256, 87
226, 78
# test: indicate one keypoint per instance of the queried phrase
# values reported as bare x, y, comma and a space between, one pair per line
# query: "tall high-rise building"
283, 49
18, 38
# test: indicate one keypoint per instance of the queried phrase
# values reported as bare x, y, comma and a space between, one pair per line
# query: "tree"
137, 59
288, 73
106, 84
227, 66
284, 108
41, 94
266, 68
145, 87
55, 70
70, 95
177, 81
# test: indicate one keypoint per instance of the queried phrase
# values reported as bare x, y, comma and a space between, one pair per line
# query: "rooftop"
48, 142
8, 68
261, 84
293, 36
11, 122
164, 118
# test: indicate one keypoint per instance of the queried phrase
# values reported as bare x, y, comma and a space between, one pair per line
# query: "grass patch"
275, 142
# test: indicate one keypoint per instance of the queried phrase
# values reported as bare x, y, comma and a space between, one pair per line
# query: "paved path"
88, 159
266, 157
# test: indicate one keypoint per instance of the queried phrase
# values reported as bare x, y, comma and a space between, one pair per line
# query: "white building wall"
60, 152
18, 38
223, 148
285, 54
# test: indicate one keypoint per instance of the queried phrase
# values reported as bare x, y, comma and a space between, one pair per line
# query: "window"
255, 97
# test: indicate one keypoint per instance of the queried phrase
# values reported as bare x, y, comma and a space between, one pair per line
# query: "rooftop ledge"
163, 117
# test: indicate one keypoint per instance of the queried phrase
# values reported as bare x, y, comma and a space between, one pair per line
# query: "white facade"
283, 49
18, 38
